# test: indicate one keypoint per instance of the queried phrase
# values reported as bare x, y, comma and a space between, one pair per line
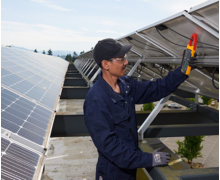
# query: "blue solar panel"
31, 84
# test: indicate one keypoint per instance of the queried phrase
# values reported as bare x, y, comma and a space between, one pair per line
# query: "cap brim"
123, 51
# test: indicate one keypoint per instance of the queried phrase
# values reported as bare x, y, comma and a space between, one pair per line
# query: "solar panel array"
30, 89
161, 49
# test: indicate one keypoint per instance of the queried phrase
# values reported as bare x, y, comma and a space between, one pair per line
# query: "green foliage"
7, 46
74, 56
206, 100
190, 147
35, 50
192, 99
69, 57
49, 52
82, 52
147, 107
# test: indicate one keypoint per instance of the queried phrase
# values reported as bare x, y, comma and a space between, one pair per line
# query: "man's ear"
105, 65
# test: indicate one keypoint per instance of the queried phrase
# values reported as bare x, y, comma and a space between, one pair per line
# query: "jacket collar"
114, 95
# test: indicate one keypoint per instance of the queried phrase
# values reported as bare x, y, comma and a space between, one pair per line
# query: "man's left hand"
192, 61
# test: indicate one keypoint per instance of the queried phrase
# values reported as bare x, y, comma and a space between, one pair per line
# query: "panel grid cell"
29, 89
24, 117
33, 74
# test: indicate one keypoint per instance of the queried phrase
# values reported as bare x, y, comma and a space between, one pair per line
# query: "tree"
58, 56
43, 52
74, 56
7, 46
69, 58
148, 107
91, 48
49, 52
190, 148
35, 50
82, 52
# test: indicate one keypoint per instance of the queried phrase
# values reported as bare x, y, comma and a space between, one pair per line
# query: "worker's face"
117, 66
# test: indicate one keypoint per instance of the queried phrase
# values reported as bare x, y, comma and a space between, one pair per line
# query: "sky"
77, 25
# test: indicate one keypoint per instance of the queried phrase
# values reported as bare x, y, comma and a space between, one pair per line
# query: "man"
109, 111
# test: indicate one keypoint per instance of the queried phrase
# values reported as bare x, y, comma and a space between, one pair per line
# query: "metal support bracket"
148, 39
89, 67
93, 77
135, 67
92, 70
21, 140
151, 117
202, 25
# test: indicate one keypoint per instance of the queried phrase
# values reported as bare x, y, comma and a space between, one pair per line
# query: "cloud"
85, 29
180, 6
108, 23
41, 36
108, 31
50, 5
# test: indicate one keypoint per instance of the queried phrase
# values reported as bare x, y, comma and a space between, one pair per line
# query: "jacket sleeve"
149, 91
107, 142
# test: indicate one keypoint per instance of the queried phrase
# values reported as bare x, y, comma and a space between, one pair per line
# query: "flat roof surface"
75, 158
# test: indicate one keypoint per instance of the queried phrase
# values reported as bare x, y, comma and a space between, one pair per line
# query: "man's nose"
126, 62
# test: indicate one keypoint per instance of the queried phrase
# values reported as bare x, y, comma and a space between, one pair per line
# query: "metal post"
151, 117
89, 67
91, 70
196, 98
135, 67
93, 77
86, 65
85, 68
82, 64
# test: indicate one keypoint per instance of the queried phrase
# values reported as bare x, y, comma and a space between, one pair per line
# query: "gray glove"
160, 158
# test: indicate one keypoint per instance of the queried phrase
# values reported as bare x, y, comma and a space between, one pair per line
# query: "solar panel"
161, 45
34, 75
31, 85
28, 88
24, 117
17, 162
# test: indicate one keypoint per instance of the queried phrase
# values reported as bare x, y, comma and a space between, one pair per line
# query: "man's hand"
192, 61
160, 158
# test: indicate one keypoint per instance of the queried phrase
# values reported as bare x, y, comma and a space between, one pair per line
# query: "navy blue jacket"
111, 122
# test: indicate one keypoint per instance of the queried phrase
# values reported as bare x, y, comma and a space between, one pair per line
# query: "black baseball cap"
109, 48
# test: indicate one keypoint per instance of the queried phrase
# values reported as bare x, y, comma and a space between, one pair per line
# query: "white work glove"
160, 158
